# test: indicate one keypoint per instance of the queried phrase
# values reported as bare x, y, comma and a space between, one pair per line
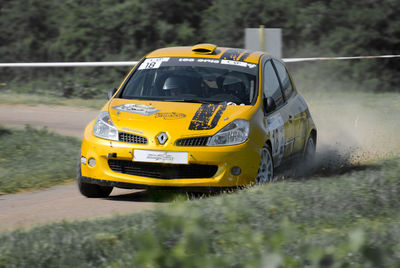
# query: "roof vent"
204, 48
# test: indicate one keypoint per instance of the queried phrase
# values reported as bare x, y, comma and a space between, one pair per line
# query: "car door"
279, 127
295, 107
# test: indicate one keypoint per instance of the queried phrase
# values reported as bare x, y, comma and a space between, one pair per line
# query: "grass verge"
35, 158
348, 220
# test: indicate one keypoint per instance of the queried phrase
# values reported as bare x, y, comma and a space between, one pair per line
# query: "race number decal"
276, 131
152, 63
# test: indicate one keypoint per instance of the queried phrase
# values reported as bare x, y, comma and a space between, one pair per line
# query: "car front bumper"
130, 174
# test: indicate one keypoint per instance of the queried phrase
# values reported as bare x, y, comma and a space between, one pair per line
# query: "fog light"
92, 162
235, 171
83, 160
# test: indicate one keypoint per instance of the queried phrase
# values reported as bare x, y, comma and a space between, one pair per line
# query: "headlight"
104, 127
235, 133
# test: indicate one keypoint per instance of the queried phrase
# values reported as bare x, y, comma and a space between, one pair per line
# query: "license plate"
160, 157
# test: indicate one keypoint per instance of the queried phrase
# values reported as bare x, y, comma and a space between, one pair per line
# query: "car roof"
210, 51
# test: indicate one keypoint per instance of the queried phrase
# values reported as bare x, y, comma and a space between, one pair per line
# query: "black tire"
309, 150
266, 168
92, 190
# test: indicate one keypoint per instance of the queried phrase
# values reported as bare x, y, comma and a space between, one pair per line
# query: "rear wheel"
266, 168
309, 150
92, 190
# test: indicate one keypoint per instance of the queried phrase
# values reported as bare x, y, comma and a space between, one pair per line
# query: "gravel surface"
61, 202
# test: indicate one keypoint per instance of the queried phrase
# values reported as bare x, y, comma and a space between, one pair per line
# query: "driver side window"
271, 85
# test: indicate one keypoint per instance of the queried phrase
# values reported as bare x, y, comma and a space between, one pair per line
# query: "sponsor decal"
232, 54
136, 109
236, 54
161, 156
186, 60
276, 132
208, 60
207, 116
170, 116
245, 55
238, 63
221, 61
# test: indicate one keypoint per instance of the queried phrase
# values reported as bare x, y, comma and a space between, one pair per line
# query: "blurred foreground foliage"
348, 220
112, 30
35, 158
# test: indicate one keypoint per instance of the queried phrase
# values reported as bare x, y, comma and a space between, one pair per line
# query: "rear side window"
285, 80
271, 85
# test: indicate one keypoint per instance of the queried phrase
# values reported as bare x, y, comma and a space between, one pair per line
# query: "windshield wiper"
194, 101
190, 100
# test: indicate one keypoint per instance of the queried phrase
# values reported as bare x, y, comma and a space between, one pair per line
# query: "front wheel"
266, 168
92, 190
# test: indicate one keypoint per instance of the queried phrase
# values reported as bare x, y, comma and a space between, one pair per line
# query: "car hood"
177, 119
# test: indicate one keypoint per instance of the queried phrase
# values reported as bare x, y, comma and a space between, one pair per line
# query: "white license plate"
160, 156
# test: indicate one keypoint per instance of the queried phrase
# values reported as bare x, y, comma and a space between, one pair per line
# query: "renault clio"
198, 118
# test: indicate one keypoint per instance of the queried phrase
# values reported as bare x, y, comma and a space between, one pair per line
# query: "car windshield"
193, 80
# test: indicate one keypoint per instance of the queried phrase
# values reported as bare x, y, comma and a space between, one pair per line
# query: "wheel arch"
313, 134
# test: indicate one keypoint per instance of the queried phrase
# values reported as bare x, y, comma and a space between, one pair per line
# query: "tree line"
112, 30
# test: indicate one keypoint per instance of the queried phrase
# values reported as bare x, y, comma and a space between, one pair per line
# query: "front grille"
132, 138
162, 171
197, 141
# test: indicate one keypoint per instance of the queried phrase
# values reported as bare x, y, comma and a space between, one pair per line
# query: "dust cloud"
354, 129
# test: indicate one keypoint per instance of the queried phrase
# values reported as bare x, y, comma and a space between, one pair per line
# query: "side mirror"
269, 105
111, 93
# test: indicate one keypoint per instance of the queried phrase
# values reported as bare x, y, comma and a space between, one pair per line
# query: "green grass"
348, 220
42, 99
35, 158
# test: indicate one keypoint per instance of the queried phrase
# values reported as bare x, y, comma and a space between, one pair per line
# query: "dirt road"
65, 203
64, 120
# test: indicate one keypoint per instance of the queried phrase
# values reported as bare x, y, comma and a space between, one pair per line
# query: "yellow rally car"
196, 118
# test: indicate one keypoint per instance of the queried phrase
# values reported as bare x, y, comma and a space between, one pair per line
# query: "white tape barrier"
132, 63
339, 58
70, 64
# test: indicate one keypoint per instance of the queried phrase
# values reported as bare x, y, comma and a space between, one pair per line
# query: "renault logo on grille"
162, 138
